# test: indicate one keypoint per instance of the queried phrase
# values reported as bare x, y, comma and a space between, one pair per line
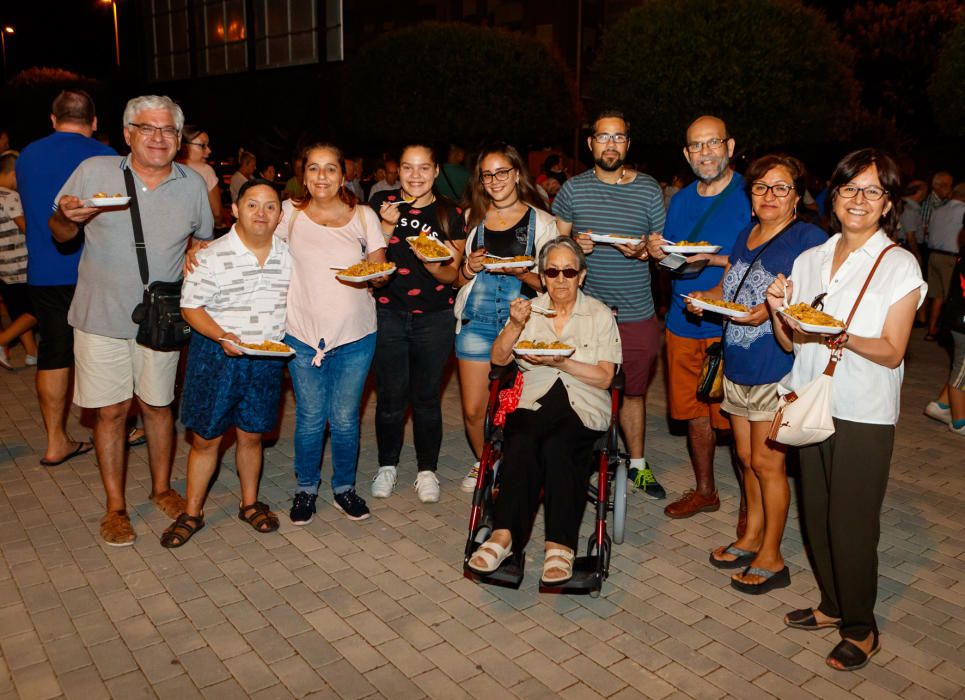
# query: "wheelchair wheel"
619, 500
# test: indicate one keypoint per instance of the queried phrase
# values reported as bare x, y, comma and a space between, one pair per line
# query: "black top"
508, 243
412, 288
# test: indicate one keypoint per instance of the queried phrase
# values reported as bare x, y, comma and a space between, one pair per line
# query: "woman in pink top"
331, 326
195, 149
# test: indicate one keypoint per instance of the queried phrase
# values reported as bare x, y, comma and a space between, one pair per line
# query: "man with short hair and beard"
714, 208
612, 198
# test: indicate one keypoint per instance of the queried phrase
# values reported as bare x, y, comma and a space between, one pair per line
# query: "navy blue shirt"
42, 169
729, 218
751, 353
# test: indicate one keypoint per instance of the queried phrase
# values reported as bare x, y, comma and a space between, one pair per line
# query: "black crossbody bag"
710, 386
158, 316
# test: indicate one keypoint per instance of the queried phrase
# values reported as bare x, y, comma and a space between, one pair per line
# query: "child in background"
13, 267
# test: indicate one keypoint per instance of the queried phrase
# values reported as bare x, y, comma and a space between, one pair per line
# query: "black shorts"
55, 348
17, 299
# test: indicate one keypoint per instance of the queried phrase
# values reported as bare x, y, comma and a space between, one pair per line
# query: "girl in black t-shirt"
416, 325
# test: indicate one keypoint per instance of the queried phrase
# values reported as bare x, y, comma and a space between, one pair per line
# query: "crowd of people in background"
259, 266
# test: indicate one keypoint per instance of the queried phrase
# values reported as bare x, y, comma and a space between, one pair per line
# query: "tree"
896, 49
947, 90
457, 83
772, 69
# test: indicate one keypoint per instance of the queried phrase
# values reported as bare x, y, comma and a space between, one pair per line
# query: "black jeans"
843, 482
411, 352
548, 449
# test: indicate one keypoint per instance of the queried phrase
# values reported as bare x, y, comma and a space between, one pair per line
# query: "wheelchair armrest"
503, 372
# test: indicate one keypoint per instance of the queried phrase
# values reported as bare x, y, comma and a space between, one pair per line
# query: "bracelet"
466, 271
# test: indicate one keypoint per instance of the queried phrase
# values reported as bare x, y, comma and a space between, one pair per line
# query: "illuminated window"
223, 47
169, 40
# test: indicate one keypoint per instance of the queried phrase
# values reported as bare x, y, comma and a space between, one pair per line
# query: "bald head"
941, 184
709, 148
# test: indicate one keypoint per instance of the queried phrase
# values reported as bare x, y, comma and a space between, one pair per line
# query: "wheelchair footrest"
509, 573
586, 578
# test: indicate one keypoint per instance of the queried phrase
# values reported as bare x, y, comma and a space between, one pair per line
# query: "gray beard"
707, 180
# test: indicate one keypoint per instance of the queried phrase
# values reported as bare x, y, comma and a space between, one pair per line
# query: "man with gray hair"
111, 367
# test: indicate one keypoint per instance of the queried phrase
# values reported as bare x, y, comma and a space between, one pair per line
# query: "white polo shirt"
862, 391
243, 297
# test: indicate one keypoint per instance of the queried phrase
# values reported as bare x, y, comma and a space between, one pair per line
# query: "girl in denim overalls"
506, 218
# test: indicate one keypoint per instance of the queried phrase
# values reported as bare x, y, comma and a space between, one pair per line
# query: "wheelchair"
608, 495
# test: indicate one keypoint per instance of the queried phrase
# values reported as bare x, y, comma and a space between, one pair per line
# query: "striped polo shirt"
632, 209
243, 297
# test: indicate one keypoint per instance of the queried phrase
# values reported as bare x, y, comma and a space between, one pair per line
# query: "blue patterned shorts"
221, 391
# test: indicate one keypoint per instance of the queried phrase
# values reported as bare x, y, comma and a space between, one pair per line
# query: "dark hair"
610, 114
548, 163
444, 206
74, 105
889, 176
189, 132
256, 182
760, 167
345, 195
480, 200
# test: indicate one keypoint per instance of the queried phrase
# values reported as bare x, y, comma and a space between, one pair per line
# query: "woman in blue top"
754, 363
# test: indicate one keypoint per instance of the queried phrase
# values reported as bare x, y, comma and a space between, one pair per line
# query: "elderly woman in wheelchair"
567, 347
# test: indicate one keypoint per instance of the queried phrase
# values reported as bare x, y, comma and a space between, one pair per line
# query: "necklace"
619, 180
507, 206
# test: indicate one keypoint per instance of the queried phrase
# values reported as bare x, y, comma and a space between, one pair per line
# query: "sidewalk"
381, 609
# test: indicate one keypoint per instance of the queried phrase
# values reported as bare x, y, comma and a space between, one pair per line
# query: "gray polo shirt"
108, 281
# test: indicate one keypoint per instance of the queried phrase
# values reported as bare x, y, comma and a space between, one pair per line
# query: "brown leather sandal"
259, 516
181, 530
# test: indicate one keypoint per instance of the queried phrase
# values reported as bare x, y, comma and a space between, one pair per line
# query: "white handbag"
804, 417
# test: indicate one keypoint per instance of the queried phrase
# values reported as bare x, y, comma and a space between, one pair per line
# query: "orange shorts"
685, 359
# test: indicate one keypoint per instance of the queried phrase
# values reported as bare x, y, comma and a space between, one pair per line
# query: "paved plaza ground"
381, 608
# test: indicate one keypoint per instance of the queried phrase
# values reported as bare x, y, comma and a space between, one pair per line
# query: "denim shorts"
221, 391
475, 340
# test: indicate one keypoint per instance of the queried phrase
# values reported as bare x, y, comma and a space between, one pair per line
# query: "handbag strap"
835, 356
750, 267
139, 247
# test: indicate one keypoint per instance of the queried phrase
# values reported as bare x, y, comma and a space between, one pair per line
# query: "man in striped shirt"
612, 198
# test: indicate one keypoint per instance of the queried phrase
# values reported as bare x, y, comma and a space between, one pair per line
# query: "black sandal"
850, 656
181, 530
804, 619
743, 557
259, 517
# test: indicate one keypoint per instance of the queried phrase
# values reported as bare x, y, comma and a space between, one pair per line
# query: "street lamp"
117, 39
7, 29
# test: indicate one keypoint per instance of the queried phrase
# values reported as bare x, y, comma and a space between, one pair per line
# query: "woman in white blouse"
844, 478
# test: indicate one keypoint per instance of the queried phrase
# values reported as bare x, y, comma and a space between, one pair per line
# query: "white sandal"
492, 553
558, 559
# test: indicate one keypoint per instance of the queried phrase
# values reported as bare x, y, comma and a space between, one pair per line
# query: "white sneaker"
427, 486
4, 359
957, 431
469, 480
30, 361
943, 415
384, 482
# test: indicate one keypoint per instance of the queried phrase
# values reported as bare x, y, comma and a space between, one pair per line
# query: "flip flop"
81, 449
772, 580
744, 557
136, 441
